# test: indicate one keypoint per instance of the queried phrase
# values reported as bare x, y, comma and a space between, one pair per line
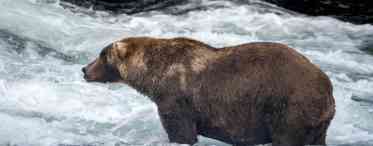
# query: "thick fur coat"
253, 93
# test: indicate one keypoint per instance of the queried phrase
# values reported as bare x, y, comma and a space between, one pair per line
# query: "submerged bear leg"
288, 127
289, 137
178, 122
317, 135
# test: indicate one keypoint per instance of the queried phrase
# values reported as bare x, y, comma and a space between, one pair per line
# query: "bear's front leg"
177, 119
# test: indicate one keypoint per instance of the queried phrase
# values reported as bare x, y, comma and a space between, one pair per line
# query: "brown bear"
254, 93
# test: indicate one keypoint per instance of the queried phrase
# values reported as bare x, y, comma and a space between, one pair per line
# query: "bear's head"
110, 66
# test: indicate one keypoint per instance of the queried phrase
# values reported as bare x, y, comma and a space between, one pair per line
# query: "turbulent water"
45, 101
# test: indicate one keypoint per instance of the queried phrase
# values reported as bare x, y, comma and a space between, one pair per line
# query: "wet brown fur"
253, 93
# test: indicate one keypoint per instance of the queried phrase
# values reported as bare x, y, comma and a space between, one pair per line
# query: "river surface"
44, 100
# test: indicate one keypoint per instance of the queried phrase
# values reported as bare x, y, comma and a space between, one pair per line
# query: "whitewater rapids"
44, 101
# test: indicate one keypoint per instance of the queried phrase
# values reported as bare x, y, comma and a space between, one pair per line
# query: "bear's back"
246, 67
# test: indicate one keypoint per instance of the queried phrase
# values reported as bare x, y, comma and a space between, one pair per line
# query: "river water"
45, 101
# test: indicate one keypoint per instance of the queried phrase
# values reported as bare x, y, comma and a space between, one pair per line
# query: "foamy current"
44, 100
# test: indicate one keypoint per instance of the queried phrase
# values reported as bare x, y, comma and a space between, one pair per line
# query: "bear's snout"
86, 76
98, 71
93, 71
84, 70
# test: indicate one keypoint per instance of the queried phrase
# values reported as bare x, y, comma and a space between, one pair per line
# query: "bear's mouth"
86, 78
104, 80
90, 78
101, 73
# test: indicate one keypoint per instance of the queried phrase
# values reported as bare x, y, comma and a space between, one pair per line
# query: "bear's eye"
102, 57
103, 54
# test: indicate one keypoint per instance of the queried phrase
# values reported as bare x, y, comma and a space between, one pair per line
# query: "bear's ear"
120, 49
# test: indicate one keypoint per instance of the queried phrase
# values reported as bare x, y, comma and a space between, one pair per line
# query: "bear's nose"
84, 70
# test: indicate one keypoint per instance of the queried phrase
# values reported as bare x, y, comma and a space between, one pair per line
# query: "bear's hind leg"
288, 127
289, 137
317, 135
